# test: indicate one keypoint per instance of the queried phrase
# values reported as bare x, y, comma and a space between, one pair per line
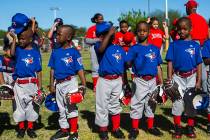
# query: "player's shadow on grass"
90, 117
39, 124
161, 122
89, 85
5, 123
53, 123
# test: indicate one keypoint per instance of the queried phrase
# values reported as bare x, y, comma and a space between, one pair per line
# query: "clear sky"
79, 12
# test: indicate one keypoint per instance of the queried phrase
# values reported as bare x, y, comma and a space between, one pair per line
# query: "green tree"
133, 17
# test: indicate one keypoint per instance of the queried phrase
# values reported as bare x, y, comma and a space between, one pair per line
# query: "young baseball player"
184, 67
206, 59
125, 38
7, 64
65, 63
111, 60
27, 76
157, 36
146, 61
52, 33
91, 39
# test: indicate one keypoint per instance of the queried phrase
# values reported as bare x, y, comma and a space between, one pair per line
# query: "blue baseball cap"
50, 102
103, 27
19, 22
60, 20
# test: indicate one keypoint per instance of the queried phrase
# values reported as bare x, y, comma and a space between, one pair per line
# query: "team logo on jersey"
67, 60
117, 56
28, 60
151, 56
191, 51
156, 36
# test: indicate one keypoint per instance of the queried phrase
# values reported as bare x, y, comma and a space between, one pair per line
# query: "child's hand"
148, 20
111, 31
165, 24
33, 19
122, 43
52, 89
12, 35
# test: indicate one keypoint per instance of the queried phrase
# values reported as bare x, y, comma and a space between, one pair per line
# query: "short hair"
123, 21
142, 22
184, 19
96, 16
70, 27
153, 19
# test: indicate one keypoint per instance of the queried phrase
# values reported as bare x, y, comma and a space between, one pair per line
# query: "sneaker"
118, 134
133, 134
208, 129
190, 132
155, 131
31, 133
59, 135
178, 132
103, 135
20, 133
73, 136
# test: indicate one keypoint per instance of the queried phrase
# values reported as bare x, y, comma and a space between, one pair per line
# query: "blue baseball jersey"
185, 55
145, 59
65, 62
206, 49
28, 62
7, 64
111, 61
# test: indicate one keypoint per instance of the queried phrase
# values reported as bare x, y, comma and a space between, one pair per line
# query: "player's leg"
19, 112
178, 108
103, 91
208, 109
64, 126
137, 105
70, 87
115, 108
190, 82
150, 110
32, 110
94, 67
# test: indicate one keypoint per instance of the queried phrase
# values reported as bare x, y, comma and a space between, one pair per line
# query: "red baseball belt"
185, 74
27, 81
147, 77
63, 80
111, 77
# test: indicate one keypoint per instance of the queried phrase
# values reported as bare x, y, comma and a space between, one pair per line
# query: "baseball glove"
39, 97
77, 97
125, 97
171, 89
6, 92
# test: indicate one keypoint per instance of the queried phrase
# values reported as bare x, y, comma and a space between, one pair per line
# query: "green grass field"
48, 123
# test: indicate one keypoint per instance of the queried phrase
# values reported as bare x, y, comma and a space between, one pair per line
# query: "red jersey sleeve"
91, 32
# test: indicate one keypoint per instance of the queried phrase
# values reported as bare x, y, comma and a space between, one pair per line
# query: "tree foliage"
133, 17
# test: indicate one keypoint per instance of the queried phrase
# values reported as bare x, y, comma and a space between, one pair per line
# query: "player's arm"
82, 77
50, 33
198, 78
160, 75
13, 45
52, 87
106, 40
169, 70
39, 76
1, 79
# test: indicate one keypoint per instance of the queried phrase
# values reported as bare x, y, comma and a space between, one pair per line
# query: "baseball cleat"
60, 135
20, 133
178, 132
133, 134
73, 136
118, 134
103, 135
31, 133
155, 131
190, 132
